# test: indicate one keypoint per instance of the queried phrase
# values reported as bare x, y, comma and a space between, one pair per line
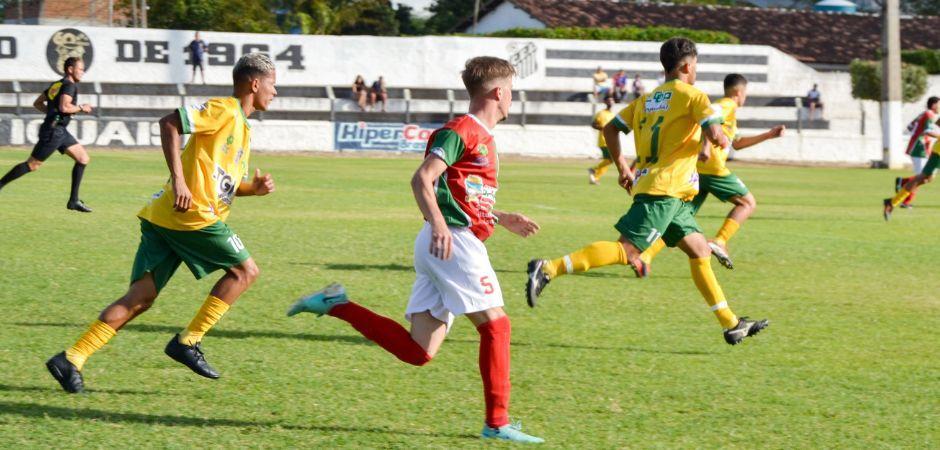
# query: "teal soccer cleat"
510, 432
320, 302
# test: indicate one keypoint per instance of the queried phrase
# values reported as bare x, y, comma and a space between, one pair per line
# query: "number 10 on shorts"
236, 243
654, 234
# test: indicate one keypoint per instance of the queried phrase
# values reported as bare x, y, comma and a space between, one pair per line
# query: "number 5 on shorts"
487, 286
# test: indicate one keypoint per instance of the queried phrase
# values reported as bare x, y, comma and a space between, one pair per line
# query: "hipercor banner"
401, 137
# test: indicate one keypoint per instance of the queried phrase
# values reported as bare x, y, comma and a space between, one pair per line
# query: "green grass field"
606, 361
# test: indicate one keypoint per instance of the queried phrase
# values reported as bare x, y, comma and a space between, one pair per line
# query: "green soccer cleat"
509, 432
320, 302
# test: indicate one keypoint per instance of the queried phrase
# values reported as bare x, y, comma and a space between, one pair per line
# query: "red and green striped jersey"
920, 142
466, 191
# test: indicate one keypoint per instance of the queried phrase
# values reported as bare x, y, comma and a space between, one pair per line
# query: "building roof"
811, 37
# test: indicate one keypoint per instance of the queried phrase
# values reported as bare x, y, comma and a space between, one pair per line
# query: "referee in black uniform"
58, 101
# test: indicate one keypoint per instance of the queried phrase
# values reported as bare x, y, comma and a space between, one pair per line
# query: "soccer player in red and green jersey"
455, 188
923, 131
185, 222
924, 128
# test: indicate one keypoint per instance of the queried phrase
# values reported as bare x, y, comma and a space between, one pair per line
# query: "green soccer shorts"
932, 163
651, 217
204, 251
723, 187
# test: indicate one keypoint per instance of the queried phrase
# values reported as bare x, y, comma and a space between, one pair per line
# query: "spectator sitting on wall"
197, 51
638, 88
620, 85
814, 100
378, 94
601, 83
360, 92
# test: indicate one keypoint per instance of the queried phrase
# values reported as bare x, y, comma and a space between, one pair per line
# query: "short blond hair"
252, 65
479, 72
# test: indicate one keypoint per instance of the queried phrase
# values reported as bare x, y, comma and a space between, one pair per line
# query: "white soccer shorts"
465, 283
918, 164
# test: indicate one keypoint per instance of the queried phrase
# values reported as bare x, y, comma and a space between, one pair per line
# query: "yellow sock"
98, 334
707, 284
598, 254
899, 197
208, 315
653, 250
727, 230
601, 168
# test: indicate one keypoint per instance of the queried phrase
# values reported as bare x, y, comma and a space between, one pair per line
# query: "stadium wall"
149, 56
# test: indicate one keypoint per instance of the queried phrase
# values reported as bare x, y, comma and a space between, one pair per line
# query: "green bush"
866, 80
657, 34
928, 59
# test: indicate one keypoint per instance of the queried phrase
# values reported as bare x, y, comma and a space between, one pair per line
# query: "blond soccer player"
185, 222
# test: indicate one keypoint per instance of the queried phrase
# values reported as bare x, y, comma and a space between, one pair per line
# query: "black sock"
14, 173
77, 172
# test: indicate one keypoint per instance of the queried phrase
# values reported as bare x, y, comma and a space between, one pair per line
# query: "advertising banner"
397, 137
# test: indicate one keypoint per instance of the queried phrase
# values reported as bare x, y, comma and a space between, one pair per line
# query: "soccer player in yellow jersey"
716, 179
601, 119
670, 127
185, 222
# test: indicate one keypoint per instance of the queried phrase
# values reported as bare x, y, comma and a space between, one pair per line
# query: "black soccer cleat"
191, 357
745, 328
78, 205
888, 209
66, 373
898, 184
536, 282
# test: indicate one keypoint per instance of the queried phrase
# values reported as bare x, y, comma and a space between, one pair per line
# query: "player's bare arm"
422, 185
748, 141
517, 223
612, 135
715, 135
40, 103
170, 140
67, 107
259, 185
706, 152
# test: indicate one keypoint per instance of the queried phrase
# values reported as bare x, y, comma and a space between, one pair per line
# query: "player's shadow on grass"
40, 411
225, 334
355, 266
52, 387
592, 347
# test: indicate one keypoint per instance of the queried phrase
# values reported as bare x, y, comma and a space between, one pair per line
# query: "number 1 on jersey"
654, 140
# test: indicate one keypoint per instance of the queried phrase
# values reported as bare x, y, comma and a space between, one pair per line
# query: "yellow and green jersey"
628, 119
668, 135
215, 161
601, 119
715, 165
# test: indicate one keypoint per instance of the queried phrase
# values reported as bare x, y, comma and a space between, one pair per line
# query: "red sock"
494, 368
910, 198
386, 332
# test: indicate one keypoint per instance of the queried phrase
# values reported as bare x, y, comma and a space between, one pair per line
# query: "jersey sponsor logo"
225, 185
480, 196
67, 43
54, 90
658, 101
